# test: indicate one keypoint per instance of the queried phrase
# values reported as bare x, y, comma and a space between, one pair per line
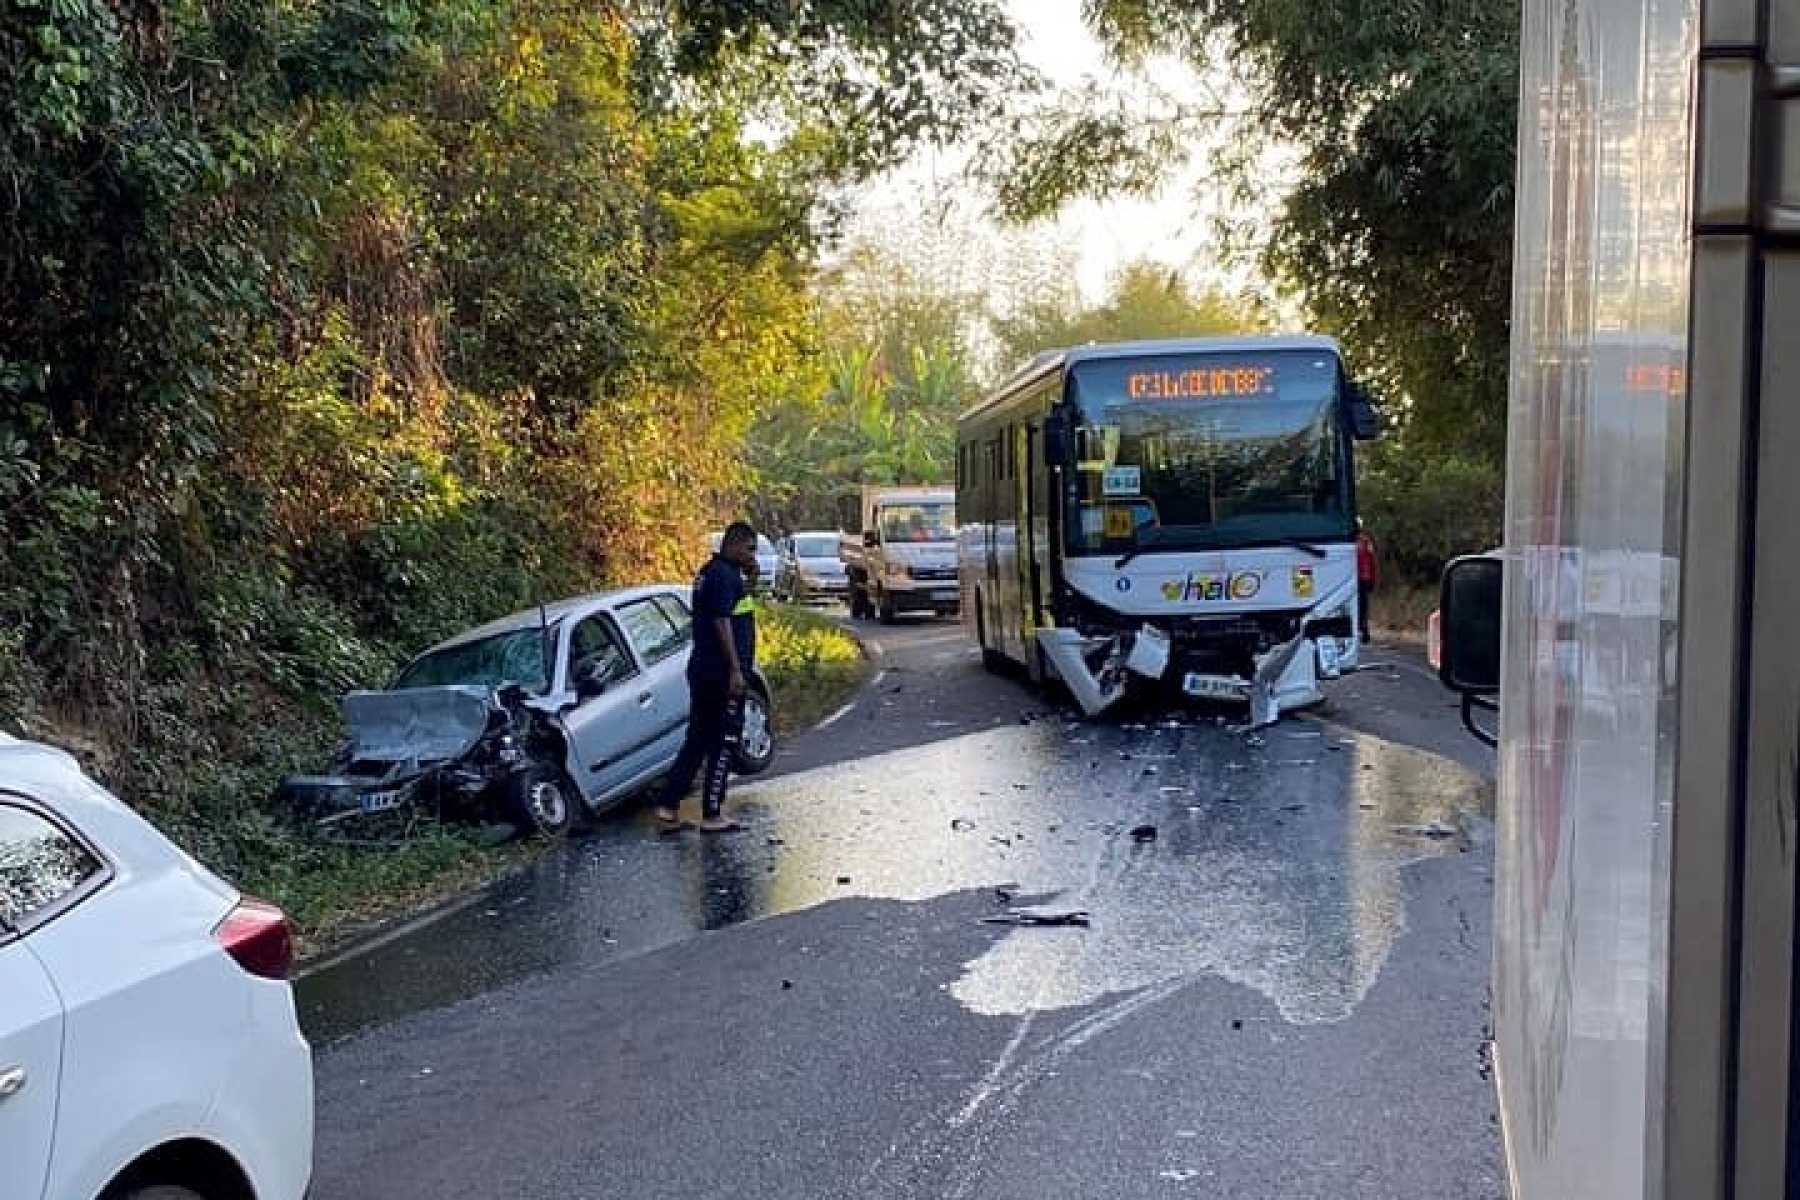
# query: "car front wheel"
756, 742
543, 802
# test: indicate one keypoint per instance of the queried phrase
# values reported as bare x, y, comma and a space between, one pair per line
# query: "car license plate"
945, 596
374, 802
1212, 687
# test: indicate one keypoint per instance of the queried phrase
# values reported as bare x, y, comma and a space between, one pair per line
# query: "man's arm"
735, 670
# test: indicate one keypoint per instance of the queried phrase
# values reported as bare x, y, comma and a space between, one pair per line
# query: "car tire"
542, 802
756, 741
158, 1191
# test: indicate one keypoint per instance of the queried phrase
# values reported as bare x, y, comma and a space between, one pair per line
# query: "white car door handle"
12, 1082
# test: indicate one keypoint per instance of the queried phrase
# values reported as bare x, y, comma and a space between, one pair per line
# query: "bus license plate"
374, 802
1212, 687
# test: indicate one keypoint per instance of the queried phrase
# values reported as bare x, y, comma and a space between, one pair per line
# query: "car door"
660, 642
42, 870
613, 712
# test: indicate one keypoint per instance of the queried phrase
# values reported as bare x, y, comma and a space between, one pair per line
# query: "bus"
1179, 512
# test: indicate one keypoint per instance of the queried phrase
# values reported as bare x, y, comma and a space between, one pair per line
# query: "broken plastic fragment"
1040, 914
1436, 829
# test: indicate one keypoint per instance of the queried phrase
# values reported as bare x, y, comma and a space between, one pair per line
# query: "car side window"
654, 635
595, 653
42, 867
678, 615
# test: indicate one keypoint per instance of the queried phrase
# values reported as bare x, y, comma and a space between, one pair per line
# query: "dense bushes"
327, 329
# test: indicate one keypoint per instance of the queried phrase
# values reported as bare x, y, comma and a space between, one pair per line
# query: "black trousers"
1364, 593
712, 715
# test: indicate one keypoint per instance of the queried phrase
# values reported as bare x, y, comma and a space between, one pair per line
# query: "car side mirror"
1469, 602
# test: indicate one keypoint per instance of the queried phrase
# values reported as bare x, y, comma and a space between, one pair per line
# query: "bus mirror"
1469, 624
1056, 438
1365, 421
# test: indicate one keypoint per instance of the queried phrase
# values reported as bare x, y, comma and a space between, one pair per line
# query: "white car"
148, 1044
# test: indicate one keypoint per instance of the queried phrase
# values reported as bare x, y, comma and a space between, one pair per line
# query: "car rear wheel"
756, 742
160, 1191
543, 802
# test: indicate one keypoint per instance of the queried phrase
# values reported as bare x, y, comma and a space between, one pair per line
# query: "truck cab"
900, 555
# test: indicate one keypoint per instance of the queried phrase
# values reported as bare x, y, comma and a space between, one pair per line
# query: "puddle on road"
1276, 866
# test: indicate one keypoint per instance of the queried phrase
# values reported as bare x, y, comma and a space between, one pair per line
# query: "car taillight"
1434, 642
256, 935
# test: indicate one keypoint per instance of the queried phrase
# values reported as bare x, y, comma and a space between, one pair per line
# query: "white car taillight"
257, 936
1434, 642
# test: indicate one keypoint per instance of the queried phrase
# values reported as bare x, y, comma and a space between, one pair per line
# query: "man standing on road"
724, 651
1368, 574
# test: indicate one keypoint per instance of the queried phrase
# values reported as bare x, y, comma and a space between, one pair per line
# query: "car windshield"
932, 522
516, 656
816, 547
1199, 451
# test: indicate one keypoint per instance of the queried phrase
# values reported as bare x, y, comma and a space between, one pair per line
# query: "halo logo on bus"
1122, 583
1303, 583
1172, 589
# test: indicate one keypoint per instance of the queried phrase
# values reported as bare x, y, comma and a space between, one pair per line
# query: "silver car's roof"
576, 607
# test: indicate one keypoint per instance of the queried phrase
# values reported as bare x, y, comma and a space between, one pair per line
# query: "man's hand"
734, 684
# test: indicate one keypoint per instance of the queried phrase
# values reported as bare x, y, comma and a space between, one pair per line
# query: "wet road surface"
1280, 994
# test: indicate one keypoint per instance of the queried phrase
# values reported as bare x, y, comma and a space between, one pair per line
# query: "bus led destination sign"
1197, 383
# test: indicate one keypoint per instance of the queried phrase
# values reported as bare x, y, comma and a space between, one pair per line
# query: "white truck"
900, 553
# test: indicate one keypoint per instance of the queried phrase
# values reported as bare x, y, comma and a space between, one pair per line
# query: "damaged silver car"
530, 720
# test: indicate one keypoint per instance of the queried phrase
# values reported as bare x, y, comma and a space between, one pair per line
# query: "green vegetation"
811, 663
1397, 122
328, 329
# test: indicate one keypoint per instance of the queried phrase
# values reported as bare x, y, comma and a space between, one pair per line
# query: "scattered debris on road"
1040, 914
1436, 830
1144, 833
961, 824
843, 879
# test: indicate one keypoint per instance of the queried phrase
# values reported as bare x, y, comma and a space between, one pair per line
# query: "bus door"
1028, 439
992, 609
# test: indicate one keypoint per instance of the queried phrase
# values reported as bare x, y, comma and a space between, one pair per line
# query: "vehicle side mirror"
1469, 624
1365, 421
871, 539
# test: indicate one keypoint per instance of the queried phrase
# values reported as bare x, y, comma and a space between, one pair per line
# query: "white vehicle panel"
30, 1061
1212, 583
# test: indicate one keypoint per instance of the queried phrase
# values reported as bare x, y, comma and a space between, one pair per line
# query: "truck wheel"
542, 802
889, 614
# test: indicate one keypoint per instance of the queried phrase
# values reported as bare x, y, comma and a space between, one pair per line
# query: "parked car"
148, 1044
810, 570
528, 719
768, 561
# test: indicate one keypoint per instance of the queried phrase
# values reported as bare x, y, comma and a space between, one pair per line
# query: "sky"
930, 190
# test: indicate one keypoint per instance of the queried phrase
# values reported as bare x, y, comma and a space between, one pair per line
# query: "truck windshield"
516, 656
1206, 451
934, 522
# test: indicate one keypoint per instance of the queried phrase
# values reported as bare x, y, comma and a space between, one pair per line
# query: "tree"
1147, 300
1397, 234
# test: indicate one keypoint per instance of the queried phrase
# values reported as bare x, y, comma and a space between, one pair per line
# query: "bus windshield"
1208, 451
930, 522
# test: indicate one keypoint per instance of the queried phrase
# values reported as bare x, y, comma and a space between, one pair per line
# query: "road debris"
1144, 833
1040, 914
1436, 830
843, 879
961, 824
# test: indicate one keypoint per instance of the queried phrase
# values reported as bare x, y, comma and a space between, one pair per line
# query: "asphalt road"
1281, 994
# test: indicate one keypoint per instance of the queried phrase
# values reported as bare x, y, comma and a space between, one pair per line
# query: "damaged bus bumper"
1098, 668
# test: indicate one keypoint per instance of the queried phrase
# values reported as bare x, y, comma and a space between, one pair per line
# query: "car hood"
417, 724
